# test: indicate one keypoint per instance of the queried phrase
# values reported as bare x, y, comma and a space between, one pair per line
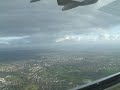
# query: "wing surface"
34, 1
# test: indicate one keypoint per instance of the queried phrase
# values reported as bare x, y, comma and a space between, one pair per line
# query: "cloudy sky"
44, 24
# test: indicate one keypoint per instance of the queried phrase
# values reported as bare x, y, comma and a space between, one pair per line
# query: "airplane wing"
70, 5
103, 5
34, 1
101, 84
112, 8
63, 2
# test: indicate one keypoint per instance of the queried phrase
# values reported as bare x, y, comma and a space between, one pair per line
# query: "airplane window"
59, 44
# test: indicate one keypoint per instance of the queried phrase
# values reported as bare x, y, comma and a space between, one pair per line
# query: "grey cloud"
44, 21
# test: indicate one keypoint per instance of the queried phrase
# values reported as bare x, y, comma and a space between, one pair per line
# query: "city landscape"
56, 70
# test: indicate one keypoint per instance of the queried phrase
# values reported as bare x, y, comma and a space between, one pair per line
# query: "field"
57, 71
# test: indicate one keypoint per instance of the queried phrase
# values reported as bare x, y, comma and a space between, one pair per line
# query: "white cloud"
69, 38
13, 38
95, 36
9, 40
104, 36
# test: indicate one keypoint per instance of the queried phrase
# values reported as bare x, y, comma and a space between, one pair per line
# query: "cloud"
69, 38
4, 43
44, 22
94, 36
12, 39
